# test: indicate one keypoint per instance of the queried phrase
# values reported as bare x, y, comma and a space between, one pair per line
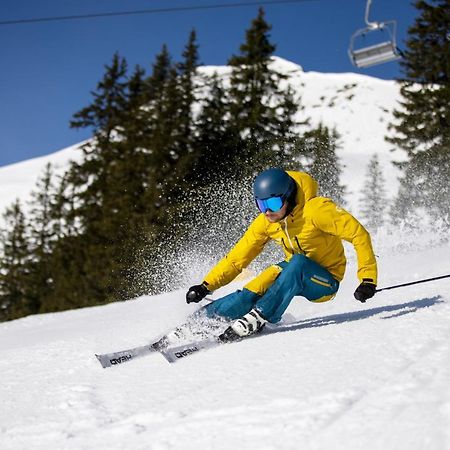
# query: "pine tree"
105, 114
373, 201
41, 207
173, 135
135, 122
184, 126
424, 187
422, 127
187, 70
256, 100
288, 151
217, 142
43, 234
161, 72
320, 146
64, 208
164, 133
159, 113
127, 186
14, 265
67, 288
101, 182
71, 286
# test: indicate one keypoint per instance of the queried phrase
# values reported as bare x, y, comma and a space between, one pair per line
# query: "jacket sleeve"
241, 255
334, 220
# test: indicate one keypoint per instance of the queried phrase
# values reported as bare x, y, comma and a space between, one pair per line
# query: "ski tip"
102, 361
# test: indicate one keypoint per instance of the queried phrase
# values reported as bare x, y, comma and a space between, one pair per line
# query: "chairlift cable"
151, 11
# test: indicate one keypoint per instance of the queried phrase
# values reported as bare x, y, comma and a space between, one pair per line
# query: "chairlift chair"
378, 53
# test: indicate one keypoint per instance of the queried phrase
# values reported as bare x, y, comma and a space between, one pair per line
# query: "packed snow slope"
337, 375
358, 106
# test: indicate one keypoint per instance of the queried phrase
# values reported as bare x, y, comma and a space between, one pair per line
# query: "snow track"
340, 375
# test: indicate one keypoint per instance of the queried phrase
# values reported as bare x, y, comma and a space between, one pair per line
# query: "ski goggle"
273, 204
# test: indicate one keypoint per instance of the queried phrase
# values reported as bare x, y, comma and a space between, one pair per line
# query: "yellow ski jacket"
315, 228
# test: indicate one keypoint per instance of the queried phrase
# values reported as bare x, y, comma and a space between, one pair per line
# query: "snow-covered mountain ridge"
359, 106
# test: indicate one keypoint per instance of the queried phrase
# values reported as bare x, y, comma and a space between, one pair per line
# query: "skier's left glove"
365, 290
197, 293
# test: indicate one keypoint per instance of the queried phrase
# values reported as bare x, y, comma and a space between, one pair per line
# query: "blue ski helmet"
273, 183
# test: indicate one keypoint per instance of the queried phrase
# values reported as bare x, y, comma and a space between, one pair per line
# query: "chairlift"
378, 53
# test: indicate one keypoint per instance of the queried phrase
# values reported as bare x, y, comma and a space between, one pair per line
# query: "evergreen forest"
167, 144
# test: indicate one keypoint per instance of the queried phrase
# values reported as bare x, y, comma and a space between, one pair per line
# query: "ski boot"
249, 324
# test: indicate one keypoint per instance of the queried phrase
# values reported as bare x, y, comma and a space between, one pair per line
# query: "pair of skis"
172, 354
174, 351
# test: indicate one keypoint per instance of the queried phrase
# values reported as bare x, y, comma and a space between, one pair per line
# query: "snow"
334, 375
337, 375
19, 179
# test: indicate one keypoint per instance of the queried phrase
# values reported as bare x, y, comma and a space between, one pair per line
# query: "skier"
310, 230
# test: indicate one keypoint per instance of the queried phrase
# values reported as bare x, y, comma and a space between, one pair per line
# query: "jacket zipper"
299, 246
287, 234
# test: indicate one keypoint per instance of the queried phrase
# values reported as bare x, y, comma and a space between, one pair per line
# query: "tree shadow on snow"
335, 319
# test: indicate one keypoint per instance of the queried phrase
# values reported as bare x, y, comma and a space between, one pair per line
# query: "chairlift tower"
379, 53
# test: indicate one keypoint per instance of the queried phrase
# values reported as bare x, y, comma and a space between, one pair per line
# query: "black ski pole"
412, 282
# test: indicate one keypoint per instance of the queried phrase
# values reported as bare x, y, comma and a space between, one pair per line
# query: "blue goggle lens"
273, 204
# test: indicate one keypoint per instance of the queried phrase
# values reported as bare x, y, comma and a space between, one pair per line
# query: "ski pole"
412, 282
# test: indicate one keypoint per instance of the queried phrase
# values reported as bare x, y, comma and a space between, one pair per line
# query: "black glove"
197, 293
365, 290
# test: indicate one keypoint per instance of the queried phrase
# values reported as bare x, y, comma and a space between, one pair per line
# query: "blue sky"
49, 69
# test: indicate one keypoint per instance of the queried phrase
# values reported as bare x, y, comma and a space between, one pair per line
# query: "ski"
172, 341
174, 354
173, 351
113, 359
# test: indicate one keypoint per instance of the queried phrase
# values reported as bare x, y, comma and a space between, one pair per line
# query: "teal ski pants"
300, 276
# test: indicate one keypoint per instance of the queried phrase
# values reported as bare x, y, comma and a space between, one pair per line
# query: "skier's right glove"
197, 293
